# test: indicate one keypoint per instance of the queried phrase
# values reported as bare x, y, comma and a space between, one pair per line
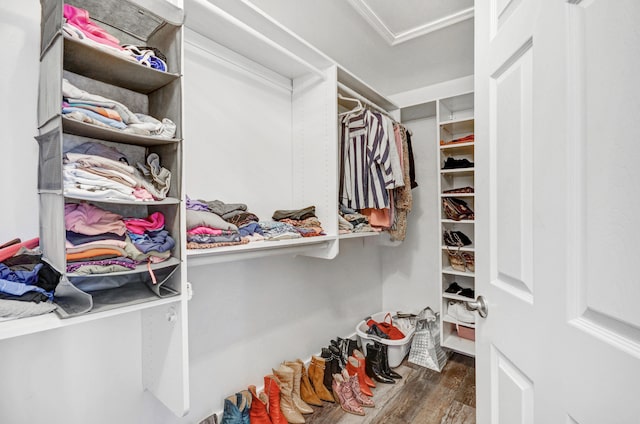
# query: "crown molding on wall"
396, 38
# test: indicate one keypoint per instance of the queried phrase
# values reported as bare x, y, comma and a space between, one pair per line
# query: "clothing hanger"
358, 107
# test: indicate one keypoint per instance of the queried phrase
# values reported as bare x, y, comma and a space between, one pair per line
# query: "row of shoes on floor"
340, 374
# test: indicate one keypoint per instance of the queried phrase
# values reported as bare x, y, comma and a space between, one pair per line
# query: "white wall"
410, 270
245, 317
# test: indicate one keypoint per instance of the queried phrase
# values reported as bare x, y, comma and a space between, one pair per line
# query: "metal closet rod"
238, 23
352, 92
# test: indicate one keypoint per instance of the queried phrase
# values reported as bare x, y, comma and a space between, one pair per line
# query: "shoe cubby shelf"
453, 221
153, 291
455, 118
449, 270
458, 195
456, 148
455, 297
469, 248
451, 320
459, 171
456, 343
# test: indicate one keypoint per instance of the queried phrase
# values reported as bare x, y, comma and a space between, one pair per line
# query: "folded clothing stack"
304, 221
91, 108
99, 241
78, 25
96, 171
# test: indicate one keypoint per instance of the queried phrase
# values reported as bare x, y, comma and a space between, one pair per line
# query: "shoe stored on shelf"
453, 163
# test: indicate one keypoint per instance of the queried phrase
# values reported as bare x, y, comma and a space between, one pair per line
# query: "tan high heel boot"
297, 380
288, 407
316, 375
306, 388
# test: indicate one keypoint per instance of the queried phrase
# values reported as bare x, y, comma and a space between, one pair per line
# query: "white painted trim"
432, 26
374, 20
396, 38
431, 92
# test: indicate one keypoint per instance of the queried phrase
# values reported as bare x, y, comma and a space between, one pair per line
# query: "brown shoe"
306, 389
316, 375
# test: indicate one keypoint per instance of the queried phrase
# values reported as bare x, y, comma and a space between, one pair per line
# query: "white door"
558, 211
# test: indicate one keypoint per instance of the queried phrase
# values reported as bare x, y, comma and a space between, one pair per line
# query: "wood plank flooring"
421, 397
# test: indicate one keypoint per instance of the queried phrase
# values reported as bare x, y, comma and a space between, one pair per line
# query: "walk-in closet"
362, 211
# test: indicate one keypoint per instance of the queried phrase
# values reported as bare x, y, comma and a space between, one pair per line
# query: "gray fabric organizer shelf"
143, 90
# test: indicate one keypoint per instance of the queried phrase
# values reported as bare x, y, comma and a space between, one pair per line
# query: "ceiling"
394, 46
405, 20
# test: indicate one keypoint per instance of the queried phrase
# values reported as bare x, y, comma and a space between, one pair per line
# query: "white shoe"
459, 312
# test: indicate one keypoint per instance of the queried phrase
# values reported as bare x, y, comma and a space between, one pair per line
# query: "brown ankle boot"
258, 413
272, 389
306, 389
302, 406
289, 409
316, 375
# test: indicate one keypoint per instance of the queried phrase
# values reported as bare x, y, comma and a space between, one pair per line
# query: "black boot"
384, 361
338, 356
372, 365
331, 366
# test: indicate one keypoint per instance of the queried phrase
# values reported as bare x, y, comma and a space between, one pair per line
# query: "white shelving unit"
161, 306
455, 121
287, 157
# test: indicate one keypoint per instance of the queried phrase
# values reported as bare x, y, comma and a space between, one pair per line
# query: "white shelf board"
257, 249
457, 146
456, 121
469, 248
453, 221
24, 326
72, 126
112, 68
466, 346
451, 271
451, 320
457, 171
458, 195
359, 235
453, 296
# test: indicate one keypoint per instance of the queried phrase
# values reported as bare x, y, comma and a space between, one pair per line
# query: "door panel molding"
614, 332
512, 391
594, 305
510, 140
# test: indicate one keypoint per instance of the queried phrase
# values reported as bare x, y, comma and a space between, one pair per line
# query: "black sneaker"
452, 163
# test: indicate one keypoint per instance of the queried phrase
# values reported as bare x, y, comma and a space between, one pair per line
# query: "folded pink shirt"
79, 18
205, 230
90, 220
153, 222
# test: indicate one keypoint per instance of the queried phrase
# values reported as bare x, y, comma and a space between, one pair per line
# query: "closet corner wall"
161, 304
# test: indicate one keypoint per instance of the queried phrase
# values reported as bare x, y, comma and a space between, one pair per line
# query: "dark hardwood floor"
421, 397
